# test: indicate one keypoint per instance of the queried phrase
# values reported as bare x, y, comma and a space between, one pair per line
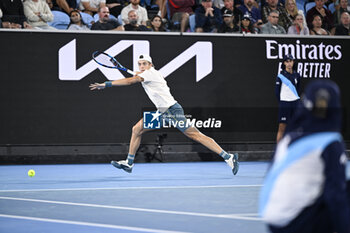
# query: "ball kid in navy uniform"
287, 93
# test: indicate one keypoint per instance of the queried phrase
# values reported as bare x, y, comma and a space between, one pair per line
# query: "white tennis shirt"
157, 89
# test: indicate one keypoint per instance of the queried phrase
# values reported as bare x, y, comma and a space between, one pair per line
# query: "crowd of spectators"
325, 17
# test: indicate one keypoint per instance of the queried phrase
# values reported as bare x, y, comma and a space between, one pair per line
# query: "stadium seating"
309, 5
87, 18
300, 6
120, 19
60, 20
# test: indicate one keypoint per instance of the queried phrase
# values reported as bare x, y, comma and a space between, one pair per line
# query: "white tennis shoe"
123, 164
233, 163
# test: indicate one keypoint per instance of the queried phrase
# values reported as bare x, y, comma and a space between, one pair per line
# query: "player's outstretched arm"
120, 82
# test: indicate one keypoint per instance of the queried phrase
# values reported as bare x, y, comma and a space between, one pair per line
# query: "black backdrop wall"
45, 99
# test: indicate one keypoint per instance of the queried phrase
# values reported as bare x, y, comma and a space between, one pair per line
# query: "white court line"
229, 216
246, 216
131, 188
88, 224
249, 214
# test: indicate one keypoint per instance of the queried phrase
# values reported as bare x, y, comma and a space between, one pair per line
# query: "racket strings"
106, 60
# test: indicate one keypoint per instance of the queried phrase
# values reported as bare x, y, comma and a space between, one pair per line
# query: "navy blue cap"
288, 57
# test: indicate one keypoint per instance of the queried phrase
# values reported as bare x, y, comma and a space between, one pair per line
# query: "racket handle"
131, 72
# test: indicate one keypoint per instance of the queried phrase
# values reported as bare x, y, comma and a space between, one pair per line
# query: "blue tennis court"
156, 197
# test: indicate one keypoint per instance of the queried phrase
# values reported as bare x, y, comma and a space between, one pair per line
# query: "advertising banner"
226, 84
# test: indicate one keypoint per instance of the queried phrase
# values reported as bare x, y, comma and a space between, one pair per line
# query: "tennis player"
168, 108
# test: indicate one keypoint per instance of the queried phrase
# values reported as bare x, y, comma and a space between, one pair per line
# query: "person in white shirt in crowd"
140, 11
91, 6
38, 14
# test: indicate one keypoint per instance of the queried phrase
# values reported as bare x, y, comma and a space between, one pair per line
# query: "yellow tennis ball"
31, 173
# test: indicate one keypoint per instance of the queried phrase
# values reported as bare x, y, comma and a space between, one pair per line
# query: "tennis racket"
108, 61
